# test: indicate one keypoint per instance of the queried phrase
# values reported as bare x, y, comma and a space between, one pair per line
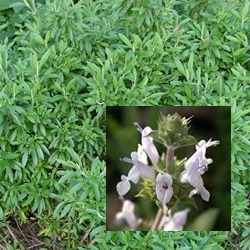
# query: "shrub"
62, 61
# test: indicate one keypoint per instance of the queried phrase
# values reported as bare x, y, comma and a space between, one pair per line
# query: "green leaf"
24, 159
16, 119
37, 38
13, 136
66, 176
233, 39
18, 5
76, 188
74, 155
97, 230
3, 26
220, 238
240, 52
180, 66
1, 214
69, 164
34, 157
205, 221
245, 12
40, 153
188, 91
245, 244
44, 58
66, 210
9, 174
7, 4
44, 148
28, 201
146, 53
190, 66
125, 40
58, 209
42, 129
30, 118
95, 186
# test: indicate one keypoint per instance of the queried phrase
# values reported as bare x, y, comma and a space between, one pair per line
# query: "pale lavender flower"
175, 222
164, 190
123, 186
128, 214
144, 170
138, 170
196, 166
147, 143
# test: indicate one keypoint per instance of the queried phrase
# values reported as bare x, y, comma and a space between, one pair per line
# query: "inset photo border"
168, 168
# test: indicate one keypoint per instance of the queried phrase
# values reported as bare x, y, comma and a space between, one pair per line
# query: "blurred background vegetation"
206, 123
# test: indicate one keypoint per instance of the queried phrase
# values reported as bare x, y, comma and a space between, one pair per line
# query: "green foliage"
161, 240
52, 142
62, 61
6, 4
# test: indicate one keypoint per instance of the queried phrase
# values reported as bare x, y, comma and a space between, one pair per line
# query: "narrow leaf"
58, 209
76, 188
44, 58
126, 41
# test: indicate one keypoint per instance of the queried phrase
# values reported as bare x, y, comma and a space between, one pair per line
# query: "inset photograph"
168, 168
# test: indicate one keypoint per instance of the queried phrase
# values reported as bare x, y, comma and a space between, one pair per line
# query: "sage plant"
165, 180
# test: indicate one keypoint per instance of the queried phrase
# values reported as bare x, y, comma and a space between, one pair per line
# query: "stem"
170, 159
157, 220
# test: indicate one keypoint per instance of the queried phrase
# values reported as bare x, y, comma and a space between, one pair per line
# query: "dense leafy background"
62, 61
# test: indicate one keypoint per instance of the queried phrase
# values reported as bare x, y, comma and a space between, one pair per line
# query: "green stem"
170, 159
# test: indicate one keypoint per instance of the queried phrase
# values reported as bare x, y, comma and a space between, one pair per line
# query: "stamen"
127, 160
138, 127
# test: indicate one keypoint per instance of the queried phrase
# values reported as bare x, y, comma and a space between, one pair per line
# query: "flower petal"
177, 221
184, 176
134, 174
168, 195
148, 145
128, 213
212, 143
205, 195
142, 156
145, 171
123, 186
164, 190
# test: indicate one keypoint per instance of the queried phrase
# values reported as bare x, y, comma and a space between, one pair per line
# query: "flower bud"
173, 131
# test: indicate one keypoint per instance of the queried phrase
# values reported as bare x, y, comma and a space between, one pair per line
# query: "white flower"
196, 166
144, 170
138, 170
147, 143
123, 186
164, 190
193, 177
128, 214
175, 222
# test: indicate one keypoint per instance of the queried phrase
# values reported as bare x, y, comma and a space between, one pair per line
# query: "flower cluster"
147, 165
